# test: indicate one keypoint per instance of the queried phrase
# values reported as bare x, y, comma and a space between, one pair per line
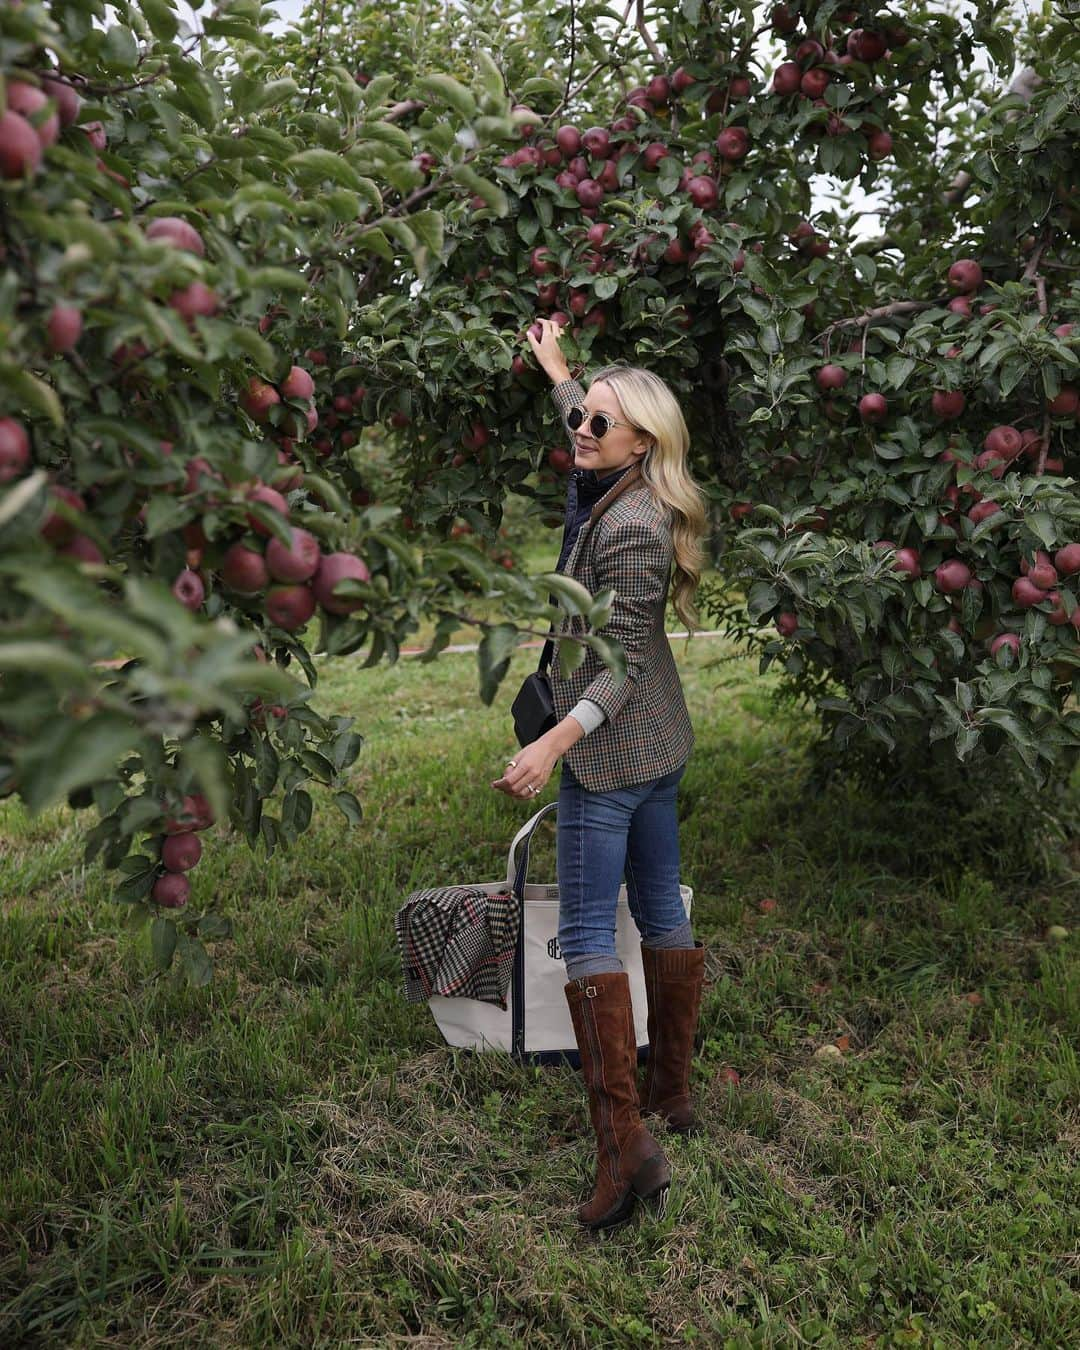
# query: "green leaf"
215, 926
428, 228
445, 87
70, 755
611, 653
46, 659
206, 761
387, 133
493, 657
163, 941
492, 195
317, 165
196, 962
489, 73
349, 806
119, 51
1041, 523
31, 393
574, 597
161, 18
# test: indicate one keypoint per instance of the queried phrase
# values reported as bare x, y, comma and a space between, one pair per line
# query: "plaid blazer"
625, 544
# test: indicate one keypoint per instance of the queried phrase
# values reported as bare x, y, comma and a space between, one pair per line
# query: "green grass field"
293, 1157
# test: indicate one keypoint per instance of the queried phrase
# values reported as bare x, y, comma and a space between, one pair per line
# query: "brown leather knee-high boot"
673, 980
630, 1163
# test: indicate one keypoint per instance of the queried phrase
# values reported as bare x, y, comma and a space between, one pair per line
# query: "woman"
633, 510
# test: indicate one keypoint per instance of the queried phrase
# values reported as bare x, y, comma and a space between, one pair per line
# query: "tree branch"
647, 37
317, 57
1025, 85
880, 312
402, 109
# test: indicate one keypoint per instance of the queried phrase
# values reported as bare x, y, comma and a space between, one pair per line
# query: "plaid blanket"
457, 941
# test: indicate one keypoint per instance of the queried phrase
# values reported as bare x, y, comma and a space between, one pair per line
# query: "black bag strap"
545, 657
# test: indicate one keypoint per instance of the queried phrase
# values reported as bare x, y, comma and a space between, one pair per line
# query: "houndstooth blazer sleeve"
636, 563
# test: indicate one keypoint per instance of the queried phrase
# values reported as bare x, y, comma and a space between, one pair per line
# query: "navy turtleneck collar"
590, 487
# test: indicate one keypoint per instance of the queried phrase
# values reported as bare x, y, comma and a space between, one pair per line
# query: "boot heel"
653, 1176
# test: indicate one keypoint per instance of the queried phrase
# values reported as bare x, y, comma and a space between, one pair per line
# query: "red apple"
947, 404
56, 529
195, 299
907, 560
597, 142
703, 192
1026, 593
1067, 560
82, 548
541, 262
983, 511
64, 327
20, 148
1066, 403
14, 450
1043, 574
172, 890
568, 139
965, 276
589, 192
658, 90
274, 500
1009, 640
879, 145
189, 589
258, 398
244, 570
180, 852
560, 460
178, 232
67, 100
290, 607
333, 568
952, 576
296, 561
681, 80
1005, 441
595, 234
28, 100
733, 143
815, 81
873, 408
831, 377
783, 19
298, 384
786, 78
786, 624
866, 45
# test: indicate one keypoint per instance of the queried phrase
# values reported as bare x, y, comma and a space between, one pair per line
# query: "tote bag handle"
516, 877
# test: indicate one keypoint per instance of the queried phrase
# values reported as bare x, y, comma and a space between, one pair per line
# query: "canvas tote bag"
536, 1026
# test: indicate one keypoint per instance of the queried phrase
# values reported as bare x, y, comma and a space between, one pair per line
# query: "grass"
292, 1156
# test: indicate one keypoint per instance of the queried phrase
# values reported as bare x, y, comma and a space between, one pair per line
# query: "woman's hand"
546, 350
531, 765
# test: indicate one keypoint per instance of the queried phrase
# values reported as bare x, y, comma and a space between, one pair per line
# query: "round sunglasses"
599, 424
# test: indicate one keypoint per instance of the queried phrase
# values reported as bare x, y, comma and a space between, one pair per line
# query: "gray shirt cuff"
588, 713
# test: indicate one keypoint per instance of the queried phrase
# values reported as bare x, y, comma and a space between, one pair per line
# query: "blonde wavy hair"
650, 405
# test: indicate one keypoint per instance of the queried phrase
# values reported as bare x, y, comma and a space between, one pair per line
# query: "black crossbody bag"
534, 709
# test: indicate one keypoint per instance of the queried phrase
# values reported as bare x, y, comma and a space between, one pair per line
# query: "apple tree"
187, 226
888, 424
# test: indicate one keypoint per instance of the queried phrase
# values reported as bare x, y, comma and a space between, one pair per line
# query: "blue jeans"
603, 837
